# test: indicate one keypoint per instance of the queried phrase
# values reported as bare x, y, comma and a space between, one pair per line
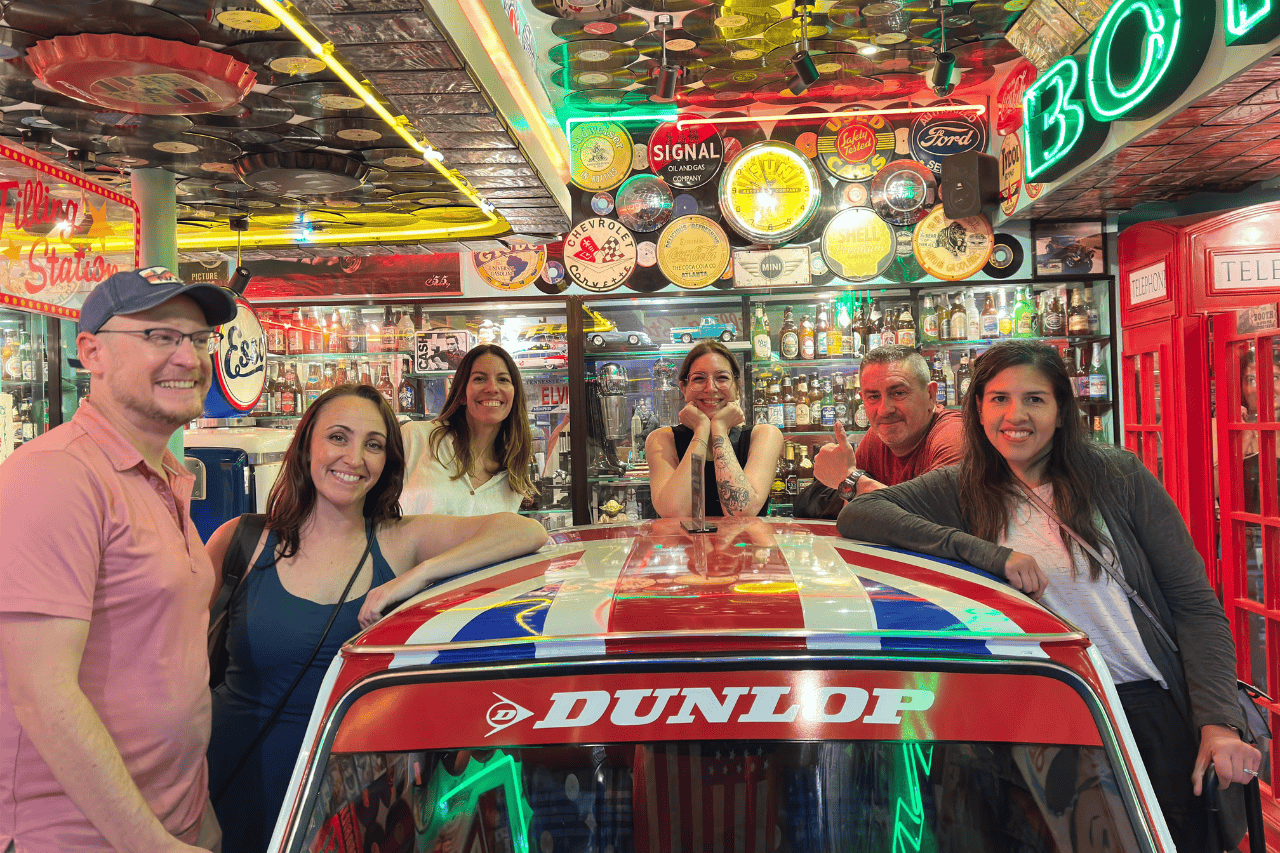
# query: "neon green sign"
1250, 21
909, 821
1055, 122
1142, 58
459, 796
1144, 54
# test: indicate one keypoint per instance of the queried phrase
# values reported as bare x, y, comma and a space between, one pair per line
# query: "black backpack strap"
235, 562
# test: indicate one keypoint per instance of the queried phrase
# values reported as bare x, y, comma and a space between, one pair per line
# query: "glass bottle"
906, 327
1081, 375
936, 375
406, 332
1054, 319
1099, 383
835, 335
1098, 429
802, 402
275, 384
389, 343
806, 338
841, 397
1077, 318
1004, 316
328, 376
314, 388
867, 334
275, 332
815, 400
820, 330
959, 317
407, 394
855, 399
294, 335
355, 334
928, 320
974, 317
788, 336
1091, 312
373, 335
760, 402
336, 340
778, 490
776, 416
791, 475
314, 333
804, 470
963, 378
788, 404
989, 320
384, 386
760, 345
888, 328
1024, 313
828, 404
860, 420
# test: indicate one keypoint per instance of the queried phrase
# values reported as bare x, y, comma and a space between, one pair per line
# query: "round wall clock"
770, 192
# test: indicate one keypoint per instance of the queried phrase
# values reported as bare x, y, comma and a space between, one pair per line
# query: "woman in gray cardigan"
1023, 433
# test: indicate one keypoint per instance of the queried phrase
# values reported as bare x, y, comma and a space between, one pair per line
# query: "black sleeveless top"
741, 441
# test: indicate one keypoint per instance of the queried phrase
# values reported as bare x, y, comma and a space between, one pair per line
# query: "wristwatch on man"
848, 488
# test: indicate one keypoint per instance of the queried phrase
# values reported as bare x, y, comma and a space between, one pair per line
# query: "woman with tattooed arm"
740, 462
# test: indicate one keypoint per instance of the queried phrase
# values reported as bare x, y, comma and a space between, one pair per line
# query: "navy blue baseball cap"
132, 291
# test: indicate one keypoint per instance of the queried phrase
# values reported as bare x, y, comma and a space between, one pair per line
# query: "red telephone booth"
1200, 355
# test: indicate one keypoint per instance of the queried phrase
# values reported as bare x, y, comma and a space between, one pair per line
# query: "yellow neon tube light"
478, 17
400, 124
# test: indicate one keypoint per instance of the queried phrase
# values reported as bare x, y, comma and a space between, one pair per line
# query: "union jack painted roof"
614, 590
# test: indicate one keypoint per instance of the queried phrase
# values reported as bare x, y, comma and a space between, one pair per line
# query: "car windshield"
704, 760
681, 797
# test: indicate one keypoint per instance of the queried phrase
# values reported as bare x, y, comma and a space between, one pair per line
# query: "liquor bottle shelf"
660, 349
1072, 340
338, 356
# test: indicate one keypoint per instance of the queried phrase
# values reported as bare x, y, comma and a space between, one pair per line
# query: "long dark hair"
987, 489
514, 443
293, 497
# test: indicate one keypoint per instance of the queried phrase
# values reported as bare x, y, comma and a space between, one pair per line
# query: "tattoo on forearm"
731, 482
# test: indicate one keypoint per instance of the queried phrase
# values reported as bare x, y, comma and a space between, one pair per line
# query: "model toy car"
591, 322
766, 687
709, 327
545, 355
604, 338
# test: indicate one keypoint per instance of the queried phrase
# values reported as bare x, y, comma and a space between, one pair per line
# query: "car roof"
613, 590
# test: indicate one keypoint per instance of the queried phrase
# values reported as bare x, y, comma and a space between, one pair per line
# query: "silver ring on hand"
1251, 772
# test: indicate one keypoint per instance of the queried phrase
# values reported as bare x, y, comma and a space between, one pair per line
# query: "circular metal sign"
769, 192
693, 251
940, 133
600, 155
903, 192
599, 254
240, 366
858, 245
1009, 98
854, 149
953, 249
644, 203
686, 157
510, 269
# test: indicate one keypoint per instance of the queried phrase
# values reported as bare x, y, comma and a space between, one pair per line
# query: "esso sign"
239, 367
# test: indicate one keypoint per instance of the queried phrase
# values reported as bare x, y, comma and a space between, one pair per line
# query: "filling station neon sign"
1143, 55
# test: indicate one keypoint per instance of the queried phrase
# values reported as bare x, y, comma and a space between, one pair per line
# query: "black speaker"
969, 181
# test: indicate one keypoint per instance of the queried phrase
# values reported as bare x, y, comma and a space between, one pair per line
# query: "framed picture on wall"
1068, 248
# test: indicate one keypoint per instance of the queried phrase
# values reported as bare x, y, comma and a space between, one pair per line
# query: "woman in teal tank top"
338, 492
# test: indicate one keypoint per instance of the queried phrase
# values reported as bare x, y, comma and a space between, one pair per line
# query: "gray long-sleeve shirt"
1151, 543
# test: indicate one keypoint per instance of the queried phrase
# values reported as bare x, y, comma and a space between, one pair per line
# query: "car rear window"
709, 760
691, 797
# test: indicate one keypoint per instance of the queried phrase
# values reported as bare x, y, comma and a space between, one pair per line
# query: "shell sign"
60, 234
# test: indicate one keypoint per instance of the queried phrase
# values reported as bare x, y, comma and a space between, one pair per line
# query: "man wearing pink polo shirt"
104, 699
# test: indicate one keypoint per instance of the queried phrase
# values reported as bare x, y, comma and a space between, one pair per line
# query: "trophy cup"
667, 399
607, 411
